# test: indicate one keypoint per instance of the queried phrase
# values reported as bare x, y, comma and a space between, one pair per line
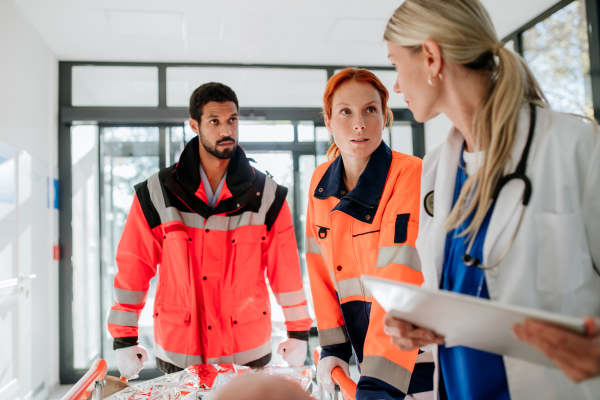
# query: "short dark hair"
212, 91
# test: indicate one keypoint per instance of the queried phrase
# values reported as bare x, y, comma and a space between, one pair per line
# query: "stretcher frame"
343, 383
93, 381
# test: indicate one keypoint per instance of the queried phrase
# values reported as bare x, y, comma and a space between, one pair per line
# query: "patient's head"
261, 387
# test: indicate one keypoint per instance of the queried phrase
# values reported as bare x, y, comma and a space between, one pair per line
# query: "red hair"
358, 75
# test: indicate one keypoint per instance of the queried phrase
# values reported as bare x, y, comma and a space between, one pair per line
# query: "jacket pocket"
246, 249
177, 315
174, 284
563, 259
366, 240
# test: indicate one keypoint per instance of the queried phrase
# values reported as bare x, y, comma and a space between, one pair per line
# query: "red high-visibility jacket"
370, 230
211, 304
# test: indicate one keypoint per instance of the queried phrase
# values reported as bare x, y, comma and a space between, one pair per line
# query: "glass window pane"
402, 139
385, 135
115, 86
388, 78
124, 164
306, 131
126, 134
86, 245
557, 51
266, 131
254, 87
280, 166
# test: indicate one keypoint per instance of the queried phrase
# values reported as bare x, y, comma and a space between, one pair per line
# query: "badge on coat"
428, 203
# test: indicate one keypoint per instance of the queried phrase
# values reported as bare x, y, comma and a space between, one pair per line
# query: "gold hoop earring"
431, 83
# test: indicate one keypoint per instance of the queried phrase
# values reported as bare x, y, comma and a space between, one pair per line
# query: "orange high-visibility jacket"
211, 304
371, 230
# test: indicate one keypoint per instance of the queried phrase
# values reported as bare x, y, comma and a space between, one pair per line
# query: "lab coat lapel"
511, 195
444, 193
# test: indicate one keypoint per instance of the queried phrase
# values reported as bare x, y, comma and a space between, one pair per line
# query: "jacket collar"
240, 175
362, 201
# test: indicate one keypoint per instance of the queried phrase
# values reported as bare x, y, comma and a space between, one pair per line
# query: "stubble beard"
224, 154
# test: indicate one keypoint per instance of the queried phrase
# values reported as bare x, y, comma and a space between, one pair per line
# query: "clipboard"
465, 320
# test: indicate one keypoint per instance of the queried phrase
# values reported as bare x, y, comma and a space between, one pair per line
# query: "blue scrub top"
467, 373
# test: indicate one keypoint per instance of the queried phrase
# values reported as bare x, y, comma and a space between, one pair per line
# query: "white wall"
28, 121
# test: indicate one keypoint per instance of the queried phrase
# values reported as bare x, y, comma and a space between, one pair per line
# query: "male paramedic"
213, 228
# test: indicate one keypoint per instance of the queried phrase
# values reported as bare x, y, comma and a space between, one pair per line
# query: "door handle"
23, 277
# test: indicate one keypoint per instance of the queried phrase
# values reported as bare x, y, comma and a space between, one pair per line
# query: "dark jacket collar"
362, 202
240, 175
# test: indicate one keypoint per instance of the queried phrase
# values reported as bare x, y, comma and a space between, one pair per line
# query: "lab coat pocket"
563, 263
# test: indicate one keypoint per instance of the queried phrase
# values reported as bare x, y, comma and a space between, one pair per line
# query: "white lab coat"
550, 265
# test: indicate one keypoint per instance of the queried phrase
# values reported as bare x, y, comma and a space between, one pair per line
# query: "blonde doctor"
510, 203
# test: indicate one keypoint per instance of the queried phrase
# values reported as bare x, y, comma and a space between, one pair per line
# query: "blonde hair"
358, 75
466, 36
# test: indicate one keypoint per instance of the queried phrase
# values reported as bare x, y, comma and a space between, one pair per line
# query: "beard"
224, 154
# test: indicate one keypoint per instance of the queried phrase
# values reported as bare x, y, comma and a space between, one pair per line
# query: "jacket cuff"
342, 351
123, 342
300, 335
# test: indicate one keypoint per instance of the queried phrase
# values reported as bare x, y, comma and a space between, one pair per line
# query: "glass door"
128, 156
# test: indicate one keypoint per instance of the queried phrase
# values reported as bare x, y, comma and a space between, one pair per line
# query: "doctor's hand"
324, 368
576, 355
294, 352
130, 361
407, 336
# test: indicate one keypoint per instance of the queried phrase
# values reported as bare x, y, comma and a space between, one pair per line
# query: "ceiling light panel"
144, 5
59, 3
203, 26
146, 24
358, 31
67, 21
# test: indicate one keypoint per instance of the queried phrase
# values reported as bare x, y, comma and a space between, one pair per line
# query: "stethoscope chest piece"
428, 203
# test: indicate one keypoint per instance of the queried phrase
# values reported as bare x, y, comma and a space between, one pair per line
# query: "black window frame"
163, 116
593, 23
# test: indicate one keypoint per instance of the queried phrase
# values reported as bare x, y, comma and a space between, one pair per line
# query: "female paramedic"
510, 207
363, 218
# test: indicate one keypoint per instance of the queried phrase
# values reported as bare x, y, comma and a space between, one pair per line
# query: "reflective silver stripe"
245, 357
221, 360
352, 287
124, 318
296, 313
290, 298
312, 247
328, 337
133, 297
181, 360
405, 255
169, 214
216, 222
385, 370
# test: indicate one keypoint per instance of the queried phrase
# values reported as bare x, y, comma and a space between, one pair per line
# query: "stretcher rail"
346, 385
93, 380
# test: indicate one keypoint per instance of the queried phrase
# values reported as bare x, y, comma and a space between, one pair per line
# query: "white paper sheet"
466, 320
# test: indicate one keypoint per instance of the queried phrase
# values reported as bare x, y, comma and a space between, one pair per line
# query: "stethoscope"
518, 174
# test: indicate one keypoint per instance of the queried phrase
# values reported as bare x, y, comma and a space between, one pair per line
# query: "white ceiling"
326, 32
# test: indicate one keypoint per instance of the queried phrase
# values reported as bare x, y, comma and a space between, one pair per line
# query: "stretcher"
343, 383
93, 383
